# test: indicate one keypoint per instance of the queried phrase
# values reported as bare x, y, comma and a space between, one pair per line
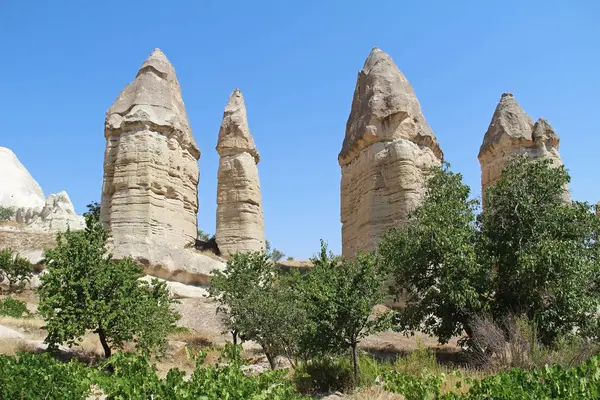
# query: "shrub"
39, 376
16, 270
6, 213
13, 308
324, 375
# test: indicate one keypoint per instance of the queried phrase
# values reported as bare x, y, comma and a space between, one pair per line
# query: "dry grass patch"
31, 326
10, 347
374, 393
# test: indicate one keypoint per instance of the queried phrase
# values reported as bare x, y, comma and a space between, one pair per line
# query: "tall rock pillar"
240, 224
387, 151
150, 188
512, 133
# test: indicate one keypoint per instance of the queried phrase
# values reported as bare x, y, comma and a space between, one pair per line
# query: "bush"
6, 213
324, 375
16, 270
13, 308
32, 377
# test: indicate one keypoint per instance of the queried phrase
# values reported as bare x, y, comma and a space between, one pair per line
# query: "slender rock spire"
240, 223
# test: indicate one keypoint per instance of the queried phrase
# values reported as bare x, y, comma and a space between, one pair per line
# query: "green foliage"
433, 260
339, 296
135, 378
544, 250
258, 303
16, 270
413, 387
205, 237
6, 213
13, 308
273, 254
32, 377
85, 290
324, 375
528, 253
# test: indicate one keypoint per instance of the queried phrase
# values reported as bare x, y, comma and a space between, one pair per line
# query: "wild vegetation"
518, 280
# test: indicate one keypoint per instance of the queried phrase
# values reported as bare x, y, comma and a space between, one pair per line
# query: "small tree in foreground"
15, 270
6, 213
85, 290
340, 296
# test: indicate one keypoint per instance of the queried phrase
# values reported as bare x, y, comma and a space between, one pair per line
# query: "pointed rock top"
153, 98
18, 189
510, 120
384, 108
234, 135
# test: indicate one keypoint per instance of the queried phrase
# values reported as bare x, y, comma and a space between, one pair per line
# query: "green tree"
85, 290
258, 303
15, 270
543, 248
274, 254
433, 261
340, 296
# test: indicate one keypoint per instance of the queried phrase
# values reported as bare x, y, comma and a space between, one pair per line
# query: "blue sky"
65, 62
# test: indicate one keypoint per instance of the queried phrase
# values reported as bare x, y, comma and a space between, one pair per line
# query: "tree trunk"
271, 359
235, 336
355, 362
107, 351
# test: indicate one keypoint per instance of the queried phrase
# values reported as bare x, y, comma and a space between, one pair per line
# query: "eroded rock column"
240, 223
388, 149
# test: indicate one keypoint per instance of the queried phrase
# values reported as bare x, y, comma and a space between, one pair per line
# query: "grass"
11, 347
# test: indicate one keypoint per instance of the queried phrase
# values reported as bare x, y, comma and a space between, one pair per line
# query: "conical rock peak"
234, 135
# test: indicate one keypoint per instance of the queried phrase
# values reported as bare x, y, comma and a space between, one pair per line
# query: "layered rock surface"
387, 150
33, 211
150, 188
240, 222
512, 133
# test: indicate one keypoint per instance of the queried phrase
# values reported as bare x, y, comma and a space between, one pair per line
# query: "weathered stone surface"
240, 223
57, 214
150, 189
512, 133
386, 153
33, 212
18, 189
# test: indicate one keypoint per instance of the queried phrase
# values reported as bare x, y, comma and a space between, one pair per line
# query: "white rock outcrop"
150, 188
511, 133
240, 223
388, 149
33, 211
18, 189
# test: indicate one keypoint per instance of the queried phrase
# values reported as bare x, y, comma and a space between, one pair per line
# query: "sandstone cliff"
240, 224
150, 188
387, 150
510, 133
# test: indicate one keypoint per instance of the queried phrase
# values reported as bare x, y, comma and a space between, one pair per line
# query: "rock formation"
511, 133
387, 151
33, 211
240, 225
150, 189
18, 189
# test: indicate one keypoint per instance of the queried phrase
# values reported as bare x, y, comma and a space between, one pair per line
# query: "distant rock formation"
150, 189
33, 211
240, 224
387, 151
511, 133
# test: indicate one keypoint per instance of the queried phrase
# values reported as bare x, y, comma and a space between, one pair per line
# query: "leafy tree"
258, 303
85, 290
433, 262
273, 253
93, 211
16, 270
6, 213
543, 248
340, 296
205, 237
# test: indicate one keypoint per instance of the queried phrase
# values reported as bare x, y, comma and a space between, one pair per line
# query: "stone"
240, 222
57, 215
33, 211
150, 189
18, 189
513, 133
386, 154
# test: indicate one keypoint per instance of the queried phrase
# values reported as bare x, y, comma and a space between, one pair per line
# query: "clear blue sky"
64, 63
